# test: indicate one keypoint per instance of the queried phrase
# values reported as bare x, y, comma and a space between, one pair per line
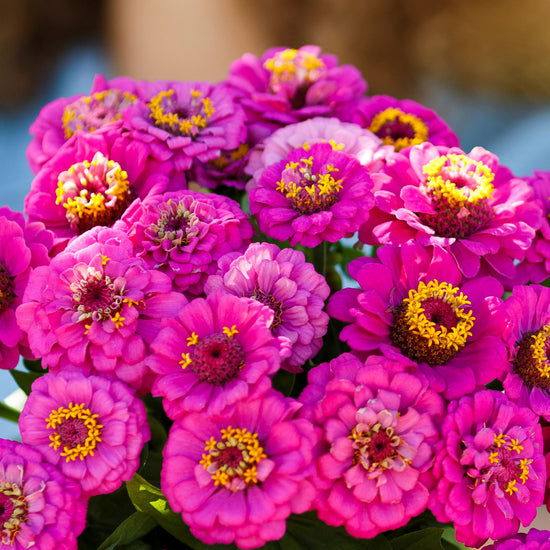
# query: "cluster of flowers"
136, 271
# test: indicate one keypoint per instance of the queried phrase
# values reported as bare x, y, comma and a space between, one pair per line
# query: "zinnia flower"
288, 85
467, 203
23, 247
62, 118
237, 477
402, 123
343, 136
39, 506
213, 353
379, 427
95, 307
528, 339
91, 428
185, 233
490, 466
184, 121
534, 539
312, 195
91, 181
412, 303
290, 286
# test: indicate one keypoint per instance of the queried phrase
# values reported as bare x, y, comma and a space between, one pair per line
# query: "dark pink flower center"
72, 432
7, 294
6, 508
531, 361
13, 512
269, 300
217, 359
174, 226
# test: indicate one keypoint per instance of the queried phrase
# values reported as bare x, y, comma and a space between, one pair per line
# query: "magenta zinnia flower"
183, 121
344, 136
237, 477
412, 303
312, 195
490, 466
91, 428
91, 181
95, 308
23, 247
39, 506
378, 431
534, 539
288, 85
65, 116
402, 123
185, 233
467, 203
528, 339
290, 286
213, 353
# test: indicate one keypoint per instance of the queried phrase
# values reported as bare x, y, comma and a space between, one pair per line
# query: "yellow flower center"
394, 127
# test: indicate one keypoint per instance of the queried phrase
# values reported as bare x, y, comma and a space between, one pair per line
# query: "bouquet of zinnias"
272, 312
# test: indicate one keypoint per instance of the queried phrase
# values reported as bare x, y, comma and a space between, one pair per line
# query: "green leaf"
25, 379
424, 539
284, 381
149, 499
34, 365
313, 534
9, 413
130, 530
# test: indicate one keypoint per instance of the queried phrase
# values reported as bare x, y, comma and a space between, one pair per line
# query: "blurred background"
483, 65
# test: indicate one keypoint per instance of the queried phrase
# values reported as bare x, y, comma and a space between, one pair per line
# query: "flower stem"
320, 258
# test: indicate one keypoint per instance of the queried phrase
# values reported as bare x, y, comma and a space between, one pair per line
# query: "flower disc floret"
432, 324
88, 113
394, 127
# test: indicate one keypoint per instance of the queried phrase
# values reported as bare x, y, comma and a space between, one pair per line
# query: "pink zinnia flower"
185, 233
290, 286
344, 136
378, 432
412, 303
535, 268
288, 85
186, 121
490, 466
213, 353
91, 428
534, 539
95, 307
65, 116
23, 247
91, 181
402, 123
312, 195
39, 506
467, 203
237, 477
528, 339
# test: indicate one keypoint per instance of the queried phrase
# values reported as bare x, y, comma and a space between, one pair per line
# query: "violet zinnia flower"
237, 477
379, 428
213, 353
402, 123
95, 307
490, 468
63, 117
91, 428
343, 136
23, 247
39, 506
467, 203
288, 85
91, 181
183, 121
534, 539
290, 286
412, 303
312, 195
528, 339
185, 233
